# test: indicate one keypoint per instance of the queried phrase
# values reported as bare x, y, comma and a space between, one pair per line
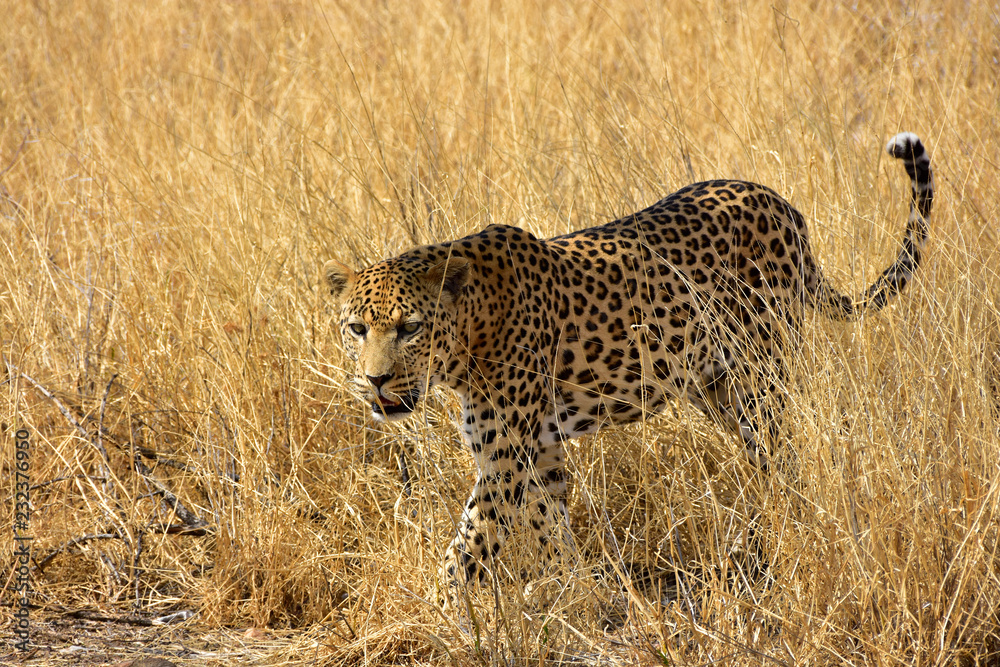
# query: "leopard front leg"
548, 490
498, 447
510, 490
499, 501
484, 526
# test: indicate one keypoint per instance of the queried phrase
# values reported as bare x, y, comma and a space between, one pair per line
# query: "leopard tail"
908, 148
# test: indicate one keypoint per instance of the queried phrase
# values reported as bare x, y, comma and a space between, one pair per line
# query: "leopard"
694, 298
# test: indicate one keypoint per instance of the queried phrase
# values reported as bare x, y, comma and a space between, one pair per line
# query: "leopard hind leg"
745, 400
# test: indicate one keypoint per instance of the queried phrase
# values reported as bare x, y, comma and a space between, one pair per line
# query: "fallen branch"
40, 565
14, 370
88, 615
159, 459
189, 518
155, 529
179, 529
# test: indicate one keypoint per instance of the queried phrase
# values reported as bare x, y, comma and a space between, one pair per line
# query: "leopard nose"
379, 380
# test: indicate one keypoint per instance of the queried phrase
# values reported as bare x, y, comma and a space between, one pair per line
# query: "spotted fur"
549, 339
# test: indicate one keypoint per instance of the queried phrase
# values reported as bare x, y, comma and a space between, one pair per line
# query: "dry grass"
173, 175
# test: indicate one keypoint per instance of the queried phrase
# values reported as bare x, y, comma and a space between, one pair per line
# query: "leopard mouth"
396, 406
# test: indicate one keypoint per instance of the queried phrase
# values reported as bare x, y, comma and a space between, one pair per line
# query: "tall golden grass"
173, 175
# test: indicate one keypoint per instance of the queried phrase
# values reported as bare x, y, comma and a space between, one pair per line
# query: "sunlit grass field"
174, 174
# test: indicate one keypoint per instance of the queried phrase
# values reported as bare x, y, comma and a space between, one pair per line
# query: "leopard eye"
409, 328
357, 329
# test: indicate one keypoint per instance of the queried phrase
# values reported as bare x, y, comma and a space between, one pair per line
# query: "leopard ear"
339, 278
450, 276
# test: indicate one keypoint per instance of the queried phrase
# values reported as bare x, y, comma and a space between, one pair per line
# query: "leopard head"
398, 321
